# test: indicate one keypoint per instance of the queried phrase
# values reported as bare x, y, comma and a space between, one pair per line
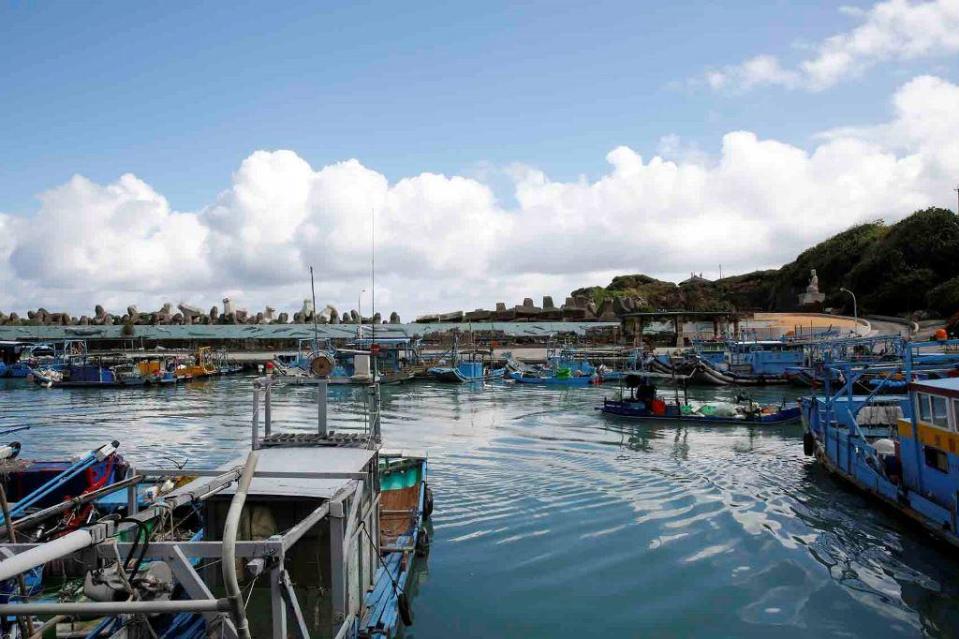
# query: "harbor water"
553, 521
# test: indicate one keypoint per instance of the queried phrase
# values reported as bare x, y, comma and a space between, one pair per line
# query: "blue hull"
624, 409
15, 371
382, 618
552, 381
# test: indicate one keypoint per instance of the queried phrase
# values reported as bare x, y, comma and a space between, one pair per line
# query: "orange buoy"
940, 335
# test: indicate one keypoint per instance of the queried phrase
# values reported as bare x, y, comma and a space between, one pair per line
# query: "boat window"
939, 416
955, 414
923, 409
937, 459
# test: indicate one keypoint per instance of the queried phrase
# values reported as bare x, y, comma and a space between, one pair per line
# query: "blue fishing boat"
10, 354
406, 503
465, 372
548, 377
22, 358
354, 362
639, 400
900, 449
104, 370
753, 363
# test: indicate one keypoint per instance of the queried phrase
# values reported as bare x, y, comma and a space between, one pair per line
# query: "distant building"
695, 279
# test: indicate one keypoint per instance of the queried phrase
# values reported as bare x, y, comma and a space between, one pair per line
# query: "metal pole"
230, 528
21, 582
268, 410
855, 307
256, 415
321, 388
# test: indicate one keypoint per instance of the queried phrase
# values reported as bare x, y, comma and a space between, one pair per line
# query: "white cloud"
446, 242
895, 30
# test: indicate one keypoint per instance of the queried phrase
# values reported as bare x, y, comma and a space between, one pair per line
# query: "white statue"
813, 282
812, 294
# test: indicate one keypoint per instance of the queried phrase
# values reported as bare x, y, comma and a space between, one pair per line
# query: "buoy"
423, 543
808, 444
428, 503
940, 335
406, 613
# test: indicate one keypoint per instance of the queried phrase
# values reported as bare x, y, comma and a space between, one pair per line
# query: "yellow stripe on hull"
930, 436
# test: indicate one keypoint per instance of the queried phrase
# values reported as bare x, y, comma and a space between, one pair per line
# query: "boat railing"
370, 433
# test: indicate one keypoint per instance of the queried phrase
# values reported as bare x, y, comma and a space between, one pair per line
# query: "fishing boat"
10, 358
748, 363
103, 370
548, 377
159, 370
20, 359
901, 450
706, 373
197, 366
309, 534
395, 359
465, 372
639, 400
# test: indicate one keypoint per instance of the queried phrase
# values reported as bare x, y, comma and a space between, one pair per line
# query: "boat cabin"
929, 442
767, 357
711, 350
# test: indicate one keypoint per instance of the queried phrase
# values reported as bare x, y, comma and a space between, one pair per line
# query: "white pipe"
56, 549
114, 607
230, 528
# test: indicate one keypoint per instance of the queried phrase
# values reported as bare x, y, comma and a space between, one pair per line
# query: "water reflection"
554, 521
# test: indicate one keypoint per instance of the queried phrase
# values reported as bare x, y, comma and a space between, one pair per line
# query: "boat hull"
406, 503
624, 410
552, 381
706, 374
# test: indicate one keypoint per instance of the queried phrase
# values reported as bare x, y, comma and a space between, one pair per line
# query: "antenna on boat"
316, 342
374, 385
372, 287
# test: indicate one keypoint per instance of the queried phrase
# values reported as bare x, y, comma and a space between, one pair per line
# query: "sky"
186, 152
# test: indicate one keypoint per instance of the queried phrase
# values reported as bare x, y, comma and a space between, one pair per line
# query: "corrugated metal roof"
291, 331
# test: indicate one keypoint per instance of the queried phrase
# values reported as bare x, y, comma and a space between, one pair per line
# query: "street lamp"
855, 309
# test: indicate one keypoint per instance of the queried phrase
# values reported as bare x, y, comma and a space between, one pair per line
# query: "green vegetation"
910, 266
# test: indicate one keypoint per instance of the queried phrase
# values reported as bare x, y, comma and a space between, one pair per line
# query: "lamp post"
855, 309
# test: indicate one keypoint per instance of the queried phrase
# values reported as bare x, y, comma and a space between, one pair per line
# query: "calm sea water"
552, 521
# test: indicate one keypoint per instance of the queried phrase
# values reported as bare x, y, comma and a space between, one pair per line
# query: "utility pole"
957, 199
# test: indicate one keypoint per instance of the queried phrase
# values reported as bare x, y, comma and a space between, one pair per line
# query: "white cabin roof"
948, 386
321, 459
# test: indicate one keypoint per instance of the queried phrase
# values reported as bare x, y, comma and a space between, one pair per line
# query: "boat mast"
372, 289
316, 345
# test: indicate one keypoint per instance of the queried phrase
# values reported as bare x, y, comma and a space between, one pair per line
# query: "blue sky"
509, 148
179, 92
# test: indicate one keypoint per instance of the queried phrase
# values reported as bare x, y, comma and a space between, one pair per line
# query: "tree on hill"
911, 265
896, 273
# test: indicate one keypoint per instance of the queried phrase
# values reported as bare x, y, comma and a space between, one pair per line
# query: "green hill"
910, 266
